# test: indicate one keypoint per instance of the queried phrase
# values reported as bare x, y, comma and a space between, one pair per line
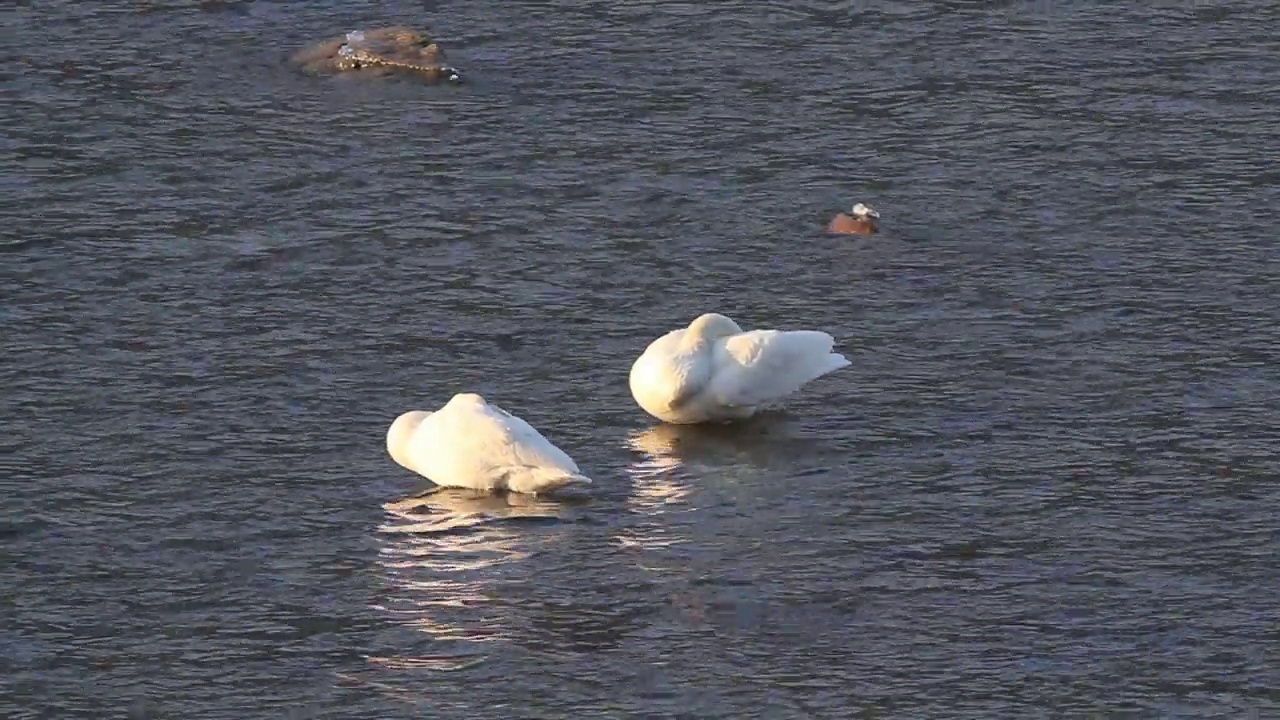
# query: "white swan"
470, 443
712, 371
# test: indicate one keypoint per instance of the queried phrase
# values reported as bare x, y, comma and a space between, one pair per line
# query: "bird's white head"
863, 211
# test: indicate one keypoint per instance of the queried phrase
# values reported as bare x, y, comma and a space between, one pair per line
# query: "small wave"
442, 555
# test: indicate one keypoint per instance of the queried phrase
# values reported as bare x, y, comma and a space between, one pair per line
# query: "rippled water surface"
1046, 487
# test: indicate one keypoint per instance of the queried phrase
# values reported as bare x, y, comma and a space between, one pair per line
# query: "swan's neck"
706, 329
693, 343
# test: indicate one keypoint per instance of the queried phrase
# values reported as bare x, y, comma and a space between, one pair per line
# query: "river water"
1046, 487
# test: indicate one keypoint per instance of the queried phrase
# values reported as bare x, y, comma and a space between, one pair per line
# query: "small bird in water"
861, 220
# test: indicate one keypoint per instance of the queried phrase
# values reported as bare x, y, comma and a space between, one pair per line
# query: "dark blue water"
1046, 487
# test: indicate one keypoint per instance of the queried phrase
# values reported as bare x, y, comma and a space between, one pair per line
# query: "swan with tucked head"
713, 371
470, 443
860, 220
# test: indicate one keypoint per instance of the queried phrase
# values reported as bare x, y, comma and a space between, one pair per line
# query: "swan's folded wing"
763, 366
522, 445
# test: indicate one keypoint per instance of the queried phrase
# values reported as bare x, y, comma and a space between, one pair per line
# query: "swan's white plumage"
470, 443
713, 371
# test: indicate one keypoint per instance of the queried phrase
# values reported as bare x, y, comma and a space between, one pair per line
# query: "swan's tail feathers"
810, 353
835, 361
540, 479
576, 479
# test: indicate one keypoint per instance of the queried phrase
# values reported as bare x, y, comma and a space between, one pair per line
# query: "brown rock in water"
377, 52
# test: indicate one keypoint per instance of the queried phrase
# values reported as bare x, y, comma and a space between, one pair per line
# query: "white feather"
713, 371
470, 443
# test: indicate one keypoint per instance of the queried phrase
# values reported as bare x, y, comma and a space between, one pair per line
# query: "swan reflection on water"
659, 487
655, 484
480, 586
685, 468
441, 554
765, 442
674, 457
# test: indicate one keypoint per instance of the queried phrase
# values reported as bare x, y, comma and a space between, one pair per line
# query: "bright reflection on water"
658, 489
656, 486
742, 450
442, 554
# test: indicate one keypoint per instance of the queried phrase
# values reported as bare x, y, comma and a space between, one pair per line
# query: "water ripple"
1044, 486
